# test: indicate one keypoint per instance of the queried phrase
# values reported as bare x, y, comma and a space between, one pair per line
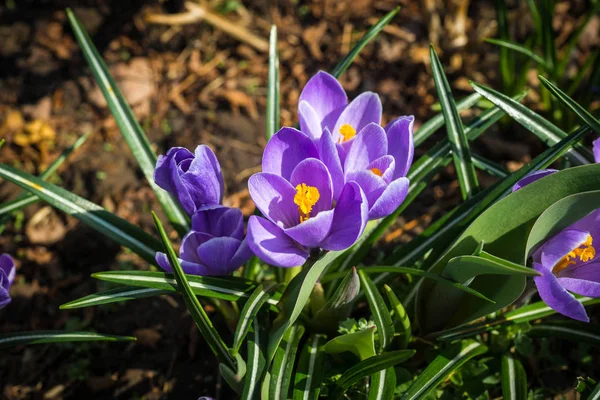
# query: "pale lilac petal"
400, 143
313, 172
310, 123
596, 148
390, 199
272, 245
274, 197
326, 96
349, 218
367, 146
532, 177
188, 267
285, 150
329, 154
217, 254
583, 280
7, 264
372, 185
313, 231
556, 297
386, 164
363, 110
590, 223
559, 246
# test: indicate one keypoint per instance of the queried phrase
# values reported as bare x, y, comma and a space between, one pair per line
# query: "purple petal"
189, 246
219, 221
217, 254
386, 164
363, 110
372, 185
274, 197
242, 255
559, 246
583, 280
167, 175
285, 150
556, 297
310, 123
400, 143
188, 267
590, 223
532, 177
326, 96
204, 180
4, 289
596, 148
390, 199
7, 264
272, 245
313, 172
313, 231
349, 218
328, 153
367, 146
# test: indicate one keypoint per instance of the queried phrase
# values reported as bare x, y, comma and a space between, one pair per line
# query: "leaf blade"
41, 337
272, 112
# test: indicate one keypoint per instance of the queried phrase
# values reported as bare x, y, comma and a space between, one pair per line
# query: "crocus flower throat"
306, 197
348, 132
585, 252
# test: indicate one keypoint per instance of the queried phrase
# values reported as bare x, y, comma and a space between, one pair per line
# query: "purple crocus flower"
295, 193
7, 277
568, 263
195, 180
215, 245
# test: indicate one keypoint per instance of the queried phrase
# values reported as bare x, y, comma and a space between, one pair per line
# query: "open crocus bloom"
7, 277
214, 246
568, 263
295, 193
195, 180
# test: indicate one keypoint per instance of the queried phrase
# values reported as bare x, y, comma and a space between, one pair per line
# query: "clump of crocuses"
7, 277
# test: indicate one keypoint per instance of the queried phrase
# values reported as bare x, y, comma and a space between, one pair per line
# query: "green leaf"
570, 330
503, 227
233, 378
513, 378
383, 385
572, 104
130, 129
507, 62
488, 166
283, 363
549, 133
595, 395
115, 295
361, 344
39, 337
198, 314
519, 49
257, 299
257, 362
272, 113
442, 367
369, 367
437, 121
308, 378
87, 212
339, 305
379, 310
24, 199
367, 37
295, 296
548, 43
400, 319
459, 143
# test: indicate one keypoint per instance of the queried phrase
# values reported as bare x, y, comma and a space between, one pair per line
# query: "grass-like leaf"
595, 395
402, 327
204, 324
379, 310
442, 366
115, 295
309, 375
257, 347
383, 385
519, 49
40, 337
461, 153
283, 363
569, 330
272, 113
87, 212
130, 129
513, 378
489, 166
367, 37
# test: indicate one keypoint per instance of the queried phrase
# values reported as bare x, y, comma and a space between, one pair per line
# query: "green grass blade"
257, 362
489, 166
309, 376
115, 295
595, 395
513, 378
461, 153
548, 42
204, 324
383, 385
343, 65
368, 367
87, 212
402, 327
272, 117
379, 310
549, 133
24, 199
505, 44
576, 81
569, 330
130, 129
283, 363
40, 337
571, 104
442, 366
507, 63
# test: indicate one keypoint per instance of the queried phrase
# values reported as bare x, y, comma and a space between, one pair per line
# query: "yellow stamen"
585, 252
376, 171
348, 132
306, 197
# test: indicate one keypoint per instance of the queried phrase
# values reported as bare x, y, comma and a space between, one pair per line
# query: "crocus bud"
7, 277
